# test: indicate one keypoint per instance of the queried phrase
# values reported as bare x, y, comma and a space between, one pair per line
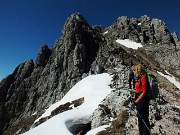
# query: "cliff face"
82, 50
143, 29
33, 86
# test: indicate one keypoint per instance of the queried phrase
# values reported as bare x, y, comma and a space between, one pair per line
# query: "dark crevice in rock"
78, 128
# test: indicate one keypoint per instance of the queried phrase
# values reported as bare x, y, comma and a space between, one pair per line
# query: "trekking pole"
127, 129
128, 122
135, 109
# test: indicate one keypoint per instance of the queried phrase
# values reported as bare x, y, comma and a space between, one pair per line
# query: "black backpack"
152, 86
152, 90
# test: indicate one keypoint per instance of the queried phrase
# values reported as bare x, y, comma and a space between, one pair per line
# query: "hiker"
131, 78
141, 101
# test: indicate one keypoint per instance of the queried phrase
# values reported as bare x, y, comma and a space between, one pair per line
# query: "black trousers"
143, 116
131, 79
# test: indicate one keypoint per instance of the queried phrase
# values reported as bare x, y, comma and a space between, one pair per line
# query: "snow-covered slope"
93, 88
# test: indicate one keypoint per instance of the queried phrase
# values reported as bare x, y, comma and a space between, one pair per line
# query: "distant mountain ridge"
82, 50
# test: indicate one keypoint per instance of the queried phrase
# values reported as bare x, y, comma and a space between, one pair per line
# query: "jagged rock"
31, 88
24, 70
80, 37
43, 56
161, 32
167, 56
175, 37
143, 29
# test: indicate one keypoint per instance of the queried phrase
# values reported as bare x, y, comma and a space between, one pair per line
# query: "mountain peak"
74, 22
144, 30
77, 16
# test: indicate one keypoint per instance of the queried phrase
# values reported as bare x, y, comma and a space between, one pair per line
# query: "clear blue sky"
25, 25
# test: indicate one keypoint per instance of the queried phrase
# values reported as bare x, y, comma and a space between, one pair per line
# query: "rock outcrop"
143, 29
84, 50
43, 56
176, 39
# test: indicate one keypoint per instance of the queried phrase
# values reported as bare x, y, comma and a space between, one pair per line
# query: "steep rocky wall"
167, 56
32, 87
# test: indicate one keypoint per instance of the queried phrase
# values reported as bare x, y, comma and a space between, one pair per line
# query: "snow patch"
171, 78
105, 32
129, 44
93, 88
34, 113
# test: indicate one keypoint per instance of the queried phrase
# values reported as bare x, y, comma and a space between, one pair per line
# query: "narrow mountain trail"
164, 112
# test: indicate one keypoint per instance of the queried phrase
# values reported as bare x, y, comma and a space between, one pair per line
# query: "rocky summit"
83, 50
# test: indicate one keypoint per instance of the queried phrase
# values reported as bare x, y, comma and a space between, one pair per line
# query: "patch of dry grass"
118, 125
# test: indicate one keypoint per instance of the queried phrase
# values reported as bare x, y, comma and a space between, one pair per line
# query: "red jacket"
141, 86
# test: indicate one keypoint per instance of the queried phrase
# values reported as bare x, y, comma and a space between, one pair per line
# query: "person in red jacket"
141, 100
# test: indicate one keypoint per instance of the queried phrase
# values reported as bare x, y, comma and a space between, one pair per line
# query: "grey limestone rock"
43, 56
143, 29
32, 87
175, 37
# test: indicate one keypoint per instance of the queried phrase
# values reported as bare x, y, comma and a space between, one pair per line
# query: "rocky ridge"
84, 50
143, 29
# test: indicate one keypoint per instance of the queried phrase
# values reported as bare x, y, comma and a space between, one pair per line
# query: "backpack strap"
141, 80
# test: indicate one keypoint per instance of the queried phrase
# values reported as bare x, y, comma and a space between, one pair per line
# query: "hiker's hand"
133, 104
133, 97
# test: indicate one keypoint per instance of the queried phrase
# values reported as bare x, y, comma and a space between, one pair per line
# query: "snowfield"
93, 88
